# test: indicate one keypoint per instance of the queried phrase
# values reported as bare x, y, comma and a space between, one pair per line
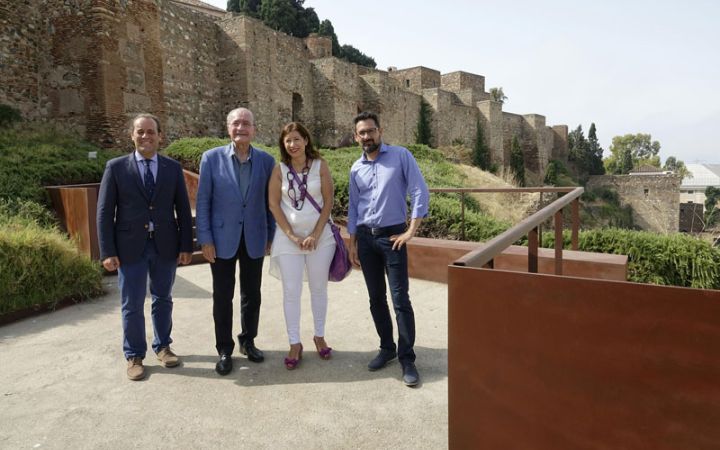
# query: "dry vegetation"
510, 207
495, 205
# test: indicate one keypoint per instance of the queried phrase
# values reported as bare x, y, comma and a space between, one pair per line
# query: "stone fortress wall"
654, 199
92, 64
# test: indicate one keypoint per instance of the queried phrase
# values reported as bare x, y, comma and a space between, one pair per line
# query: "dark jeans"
223, 273
133, 282
378, 259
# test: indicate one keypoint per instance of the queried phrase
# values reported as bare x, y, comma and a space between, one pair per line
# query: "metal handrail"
463, 191
487, 251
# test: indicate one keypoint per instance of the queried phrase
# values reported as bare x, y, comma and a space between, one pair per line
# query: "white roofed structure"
692, 189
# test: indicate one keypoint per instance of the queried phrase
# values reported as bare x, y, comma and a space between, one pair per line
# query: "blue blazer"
124, 210
221, 213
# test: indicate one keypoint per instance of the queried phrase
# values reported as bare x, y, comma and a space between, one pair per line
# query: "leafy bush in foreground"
675, 259
40, 266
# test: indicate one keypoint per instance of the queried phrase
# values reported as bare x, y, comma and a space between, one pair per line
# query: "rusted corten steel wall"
547, 362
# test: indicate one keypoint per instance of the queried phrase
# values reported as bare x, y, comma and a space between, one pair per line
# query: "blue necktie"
149, 180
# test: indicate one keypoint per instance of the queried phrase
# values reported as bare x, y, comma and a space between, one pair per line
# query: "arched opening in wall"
297, 106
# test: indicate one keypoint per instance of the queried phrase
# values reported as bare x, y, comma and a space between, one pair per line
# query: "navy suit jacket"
221, 213
125, 211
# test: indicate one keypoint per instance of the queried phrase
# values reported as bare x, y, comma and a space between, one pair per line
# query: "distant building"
650, 170
692, 189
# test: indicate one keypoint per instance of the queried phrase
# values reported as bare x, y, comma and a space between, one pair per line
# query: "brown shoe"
135, 370
167, 357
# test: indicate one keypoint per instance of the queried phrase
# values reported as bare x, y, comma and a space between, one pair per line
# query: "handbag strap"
307, 194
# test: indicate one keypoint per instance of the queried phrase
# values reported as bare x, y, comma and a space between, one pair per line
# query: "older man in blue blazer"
144, 228
234, 225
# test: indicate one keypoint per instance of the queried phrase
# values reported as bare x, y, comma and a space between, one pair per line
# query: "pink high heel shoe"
292, 363
323, 352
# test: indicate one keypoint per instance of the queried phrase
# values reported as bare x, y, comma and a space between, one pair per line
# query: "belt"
383, 231
151, 234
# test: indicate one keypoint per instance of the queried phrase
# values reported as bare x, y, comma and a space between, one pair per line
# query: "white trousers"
292, 269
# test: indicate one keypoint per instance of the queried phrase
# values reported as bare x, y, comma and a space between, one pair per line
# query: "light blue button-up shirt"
379, 189
140, 161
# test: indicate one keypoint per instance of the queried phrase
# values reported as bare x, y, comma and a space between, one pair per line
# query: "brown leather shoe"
135, 370
167, 357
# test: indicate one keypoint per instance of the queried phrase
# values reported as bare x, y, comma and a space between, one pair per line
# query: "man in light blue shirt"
380, 183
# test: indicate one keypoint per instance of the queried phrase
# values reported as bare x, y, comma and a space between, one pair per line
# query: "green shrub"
40, 266
37, 156
444, 221
601, 208
8, 115
340, 161
14, 210
188, 151
674, 259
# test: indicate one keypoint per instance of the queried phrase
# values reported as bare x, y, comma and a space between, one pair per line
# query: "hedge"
40, 266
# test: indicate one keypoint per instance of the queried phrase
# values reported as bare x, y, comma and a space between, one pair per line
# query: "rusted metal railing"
530, 227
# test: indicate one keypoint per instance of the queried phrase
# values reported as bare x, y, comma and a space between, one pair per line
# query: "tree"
498, 95
353, 55
346, 52
585, 154
481, 152
594, 153
712, 195
557, 174
233, 6
577, 148
677, 166
630, 151
307, 22
423, 132
552, 173
626, 161
278, 14
249, 7
326, 29
517, 161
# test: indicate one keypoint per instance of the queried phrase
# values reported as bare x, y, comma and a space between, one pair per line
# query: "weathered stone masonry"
91, 64
653, 198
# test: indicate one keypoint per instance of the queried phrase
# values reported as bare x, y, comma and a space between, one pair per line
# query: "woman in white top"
303, 245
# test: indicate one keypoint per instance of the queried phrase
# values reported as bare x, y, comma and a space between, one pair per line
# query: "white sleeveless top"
302, 221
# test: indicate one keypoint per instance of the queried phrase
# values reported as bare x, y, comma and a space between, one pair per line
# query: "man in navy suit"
145, 228
234, 225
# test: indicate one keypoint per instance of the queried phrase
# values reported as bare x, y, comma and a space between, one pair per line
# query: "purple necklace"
302, 186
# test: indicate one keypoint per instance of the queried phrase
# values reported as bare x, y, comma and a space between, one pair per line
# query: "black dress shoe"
253, 353
383, 357
410, 374
224, 366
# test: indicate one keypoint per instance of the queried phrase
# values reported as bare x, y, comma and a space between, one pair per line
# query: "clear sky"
629, 66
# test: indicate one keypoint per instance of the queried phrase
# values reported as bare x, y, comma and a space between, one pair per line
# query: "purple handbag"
340, 266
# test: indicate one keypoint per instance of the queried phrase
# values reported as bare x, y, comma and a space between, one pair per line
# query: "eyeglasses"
241, 123
302, 186
368, 132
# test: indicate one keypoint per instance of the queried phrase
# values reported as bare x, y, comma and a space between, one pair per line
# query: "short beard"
370, 148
